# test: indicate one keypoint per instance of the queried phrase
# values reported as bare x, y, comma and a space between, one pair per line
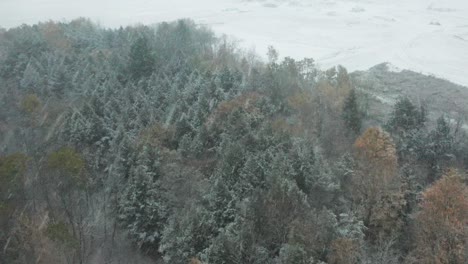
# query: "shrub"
30, 104
67, 161
11, 168
59, 233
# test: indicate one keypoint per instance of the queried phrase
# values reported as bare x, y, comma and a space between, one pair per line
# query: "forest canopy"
169, 144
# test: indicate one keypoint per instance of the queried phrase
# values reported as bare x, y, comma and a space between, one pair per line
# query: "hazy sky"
108, 12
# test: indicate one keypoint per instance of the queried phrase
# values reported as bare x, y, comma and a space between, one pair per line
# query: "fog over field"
426, 36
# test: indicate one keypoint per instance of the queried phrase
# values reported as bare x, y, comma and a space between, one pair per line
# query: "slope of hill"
169, 144
385, 85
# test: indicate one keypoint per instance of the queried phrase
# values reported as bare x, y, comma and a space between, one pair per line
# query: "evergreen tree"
441, 138
32, 79
351, 114
406, 117
141, 60
406, 124
142, 207
221, 204
187, 235
438, 147
226, 80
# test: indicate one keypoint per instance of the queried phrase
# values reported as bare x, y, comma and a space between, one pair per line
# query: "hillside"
170, 144
385, 85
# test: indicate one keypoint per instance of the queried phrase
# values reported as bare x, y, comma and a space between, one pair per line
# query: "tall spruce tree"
406, 117
142, 207
141, 60
351, 114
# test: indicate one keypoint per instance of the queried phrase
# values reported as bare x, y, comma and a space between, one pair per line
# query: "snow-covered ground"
428, 36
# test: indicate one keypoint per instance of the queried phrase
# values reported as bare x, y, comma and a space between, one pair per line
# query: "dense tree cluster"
166, 143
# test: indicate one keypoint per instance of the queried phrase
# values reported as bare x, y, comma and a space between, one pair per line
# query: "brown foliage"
245, 101
308, 112
300, 101
334, 98
375, 185
343, 251
386, 218
157, 135
442, 222
377, 155
54, 36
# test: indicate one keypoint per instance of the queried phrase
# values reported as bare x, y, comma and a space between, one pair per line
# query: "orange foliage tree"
442, 223
375, 185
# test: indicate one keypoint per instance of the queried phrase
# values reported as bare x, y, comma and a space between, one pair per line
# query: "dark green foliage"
438, 147
141, 60
11, 168
67, 160
222, 204
441, 139
406, 117
352, 115
142, 207
12, 175
187, 235
183, 128
407, 126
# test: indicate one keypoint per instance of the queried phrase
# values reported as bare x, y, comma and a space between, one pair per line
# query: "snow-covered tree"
142, 207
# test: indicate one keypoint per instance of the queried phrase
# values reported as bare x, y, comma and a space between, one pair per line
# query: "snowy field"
427, 36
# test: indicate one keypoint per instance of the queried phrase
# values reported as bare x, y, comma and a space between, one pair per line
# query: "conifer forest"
168, 143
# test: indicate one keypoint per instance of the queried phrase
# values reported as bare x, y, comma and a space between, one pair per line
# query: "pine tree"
141, 60
351, 114
32, 79
221, 204
142, 206
406, 117
252, 176
183, 128
438, 147
441, 139
226, 80
187, 235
